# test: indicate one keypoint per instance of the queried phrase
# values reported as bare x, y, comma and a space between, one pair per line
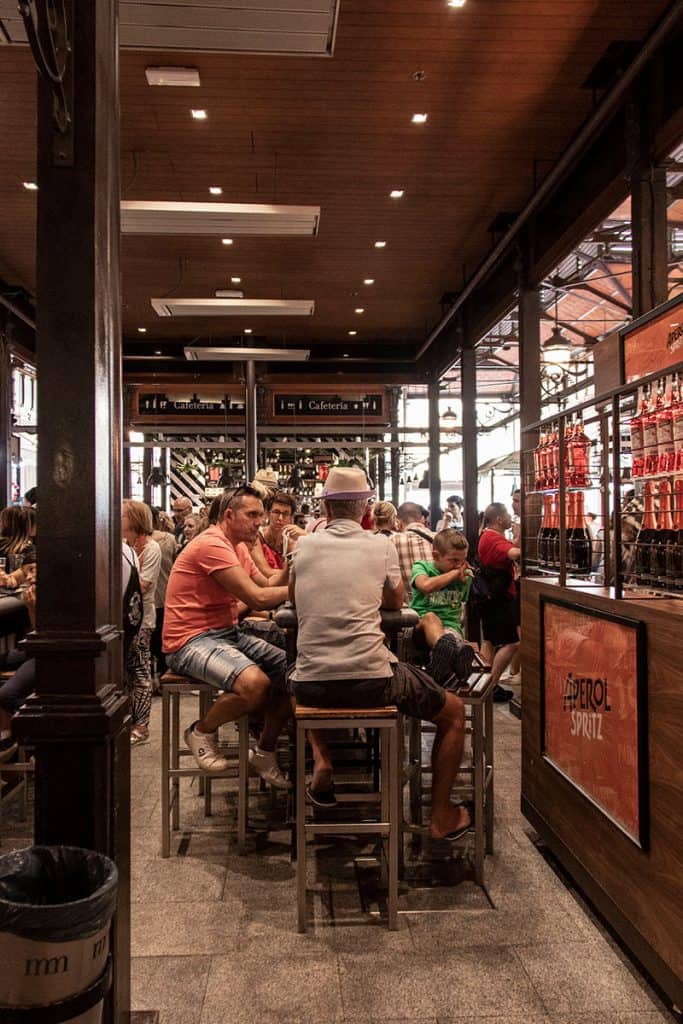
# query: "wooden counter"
638, 888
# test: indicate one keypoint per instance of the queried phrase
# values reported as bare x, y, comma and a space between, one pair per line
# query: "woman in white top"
136, 529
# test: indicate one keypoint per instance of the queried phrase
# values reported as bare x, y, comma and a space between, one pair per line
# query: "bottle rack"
630, 474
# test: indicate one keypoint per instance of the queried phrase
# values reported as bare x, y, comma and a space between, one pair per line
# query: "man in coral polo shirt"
212, 582
500, 613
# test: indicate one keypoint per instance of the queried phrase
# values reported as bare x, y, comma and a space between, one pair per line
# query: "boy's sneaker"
204, 748
264, 763
450, 657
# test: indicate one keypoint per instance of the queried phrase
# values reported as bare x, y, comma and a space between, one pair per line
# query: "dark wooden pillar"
530, 397
649, 233
5, 421
434, 453
78, 717
251, 427
468, 395
394, 395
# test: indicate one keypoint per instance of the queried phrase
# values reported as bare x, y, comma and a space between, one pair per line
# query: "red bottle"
553, 460
650, 433
677, 417
581, 449
666, 453
637, 442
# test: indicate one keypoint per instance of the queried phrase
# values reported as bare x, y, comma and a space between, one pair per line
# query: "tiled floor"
215, 940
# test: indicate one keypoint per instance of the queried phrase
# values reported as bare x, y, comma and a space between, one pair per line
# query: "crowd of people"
200, 587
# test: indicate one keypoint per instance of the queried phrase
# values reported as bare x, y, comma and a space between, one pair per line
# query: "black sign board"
158, 404
328, 406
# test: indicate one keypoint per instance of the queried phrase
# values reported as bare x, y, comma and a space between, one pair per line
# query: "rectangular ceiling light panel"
160, 218
236, 26
233, 307
234, 354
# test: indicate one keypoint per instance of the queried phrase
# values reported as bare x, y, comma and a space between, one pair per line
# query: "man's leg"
446, 760
430, 628
502, 659
248, 695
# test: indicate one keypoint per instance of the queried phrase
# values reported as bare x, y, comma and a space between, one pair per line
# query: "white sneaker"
264, 763
205, 750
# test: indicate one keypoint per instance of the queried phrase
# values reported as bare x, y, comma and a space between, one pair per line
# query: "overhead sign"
166, 405
594, 716
329, 406
654, 342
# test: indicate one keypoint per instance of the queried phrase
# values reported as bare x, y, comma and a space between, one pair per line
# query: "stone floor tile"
466, 982
243, 989
173, 985
184, 929
177, 880
576, 977
274, 934
496, 1018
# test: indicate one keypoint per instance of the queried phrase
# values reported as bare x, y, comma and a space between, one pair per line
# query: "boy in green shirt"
440, 589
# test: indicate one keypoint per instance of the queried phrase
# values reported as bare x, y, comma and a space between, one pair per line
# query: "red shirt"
493, 554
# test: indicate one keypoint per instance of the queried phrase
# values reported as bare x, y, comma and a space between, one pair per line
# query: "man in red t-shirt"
500, 613
212, 582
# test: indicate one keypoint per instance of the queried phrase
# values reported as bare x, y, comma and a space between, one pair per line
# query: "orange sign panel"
655, 344
591, 709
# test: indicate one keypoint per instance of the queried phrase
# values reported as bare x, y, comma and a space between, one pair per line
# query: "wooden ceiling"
502, 85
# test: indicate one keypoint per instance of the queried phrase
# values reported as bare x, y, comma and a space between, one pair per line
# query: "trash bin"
56, 905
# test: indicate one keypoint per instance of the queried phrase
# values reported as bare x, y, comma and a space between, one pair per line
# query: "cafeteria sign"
593, 709
329, 406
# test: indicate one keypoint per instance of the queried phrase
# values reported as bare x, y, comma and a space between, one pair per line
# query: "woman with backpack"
136, 530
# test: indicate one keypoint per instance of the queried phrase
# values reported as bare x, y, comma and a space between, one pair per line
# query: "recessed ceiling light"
368, 280
419, 118
396, 193
226, 241
172, 76
30, 186
352, 333
235, 280
247, 330
142, 330
158, 352
345, 355
456, 3
380, 245
215, 190
199, 115
359, 309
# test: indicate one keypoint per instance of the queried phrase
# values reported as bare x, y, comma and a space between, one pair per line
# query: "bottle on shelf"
647, 535
666, 453
538, 460
553, 541
580, 449
674, 552
553, 460
579, 543
677, 418
651, 452
544, 531
665, 537
637, 443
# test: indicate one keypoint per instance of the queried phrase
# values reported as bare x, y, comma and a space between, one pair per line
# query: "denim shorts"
220, 655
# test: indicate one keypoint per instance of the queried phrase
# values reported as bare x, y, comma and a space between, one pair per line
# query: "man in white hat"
339, 579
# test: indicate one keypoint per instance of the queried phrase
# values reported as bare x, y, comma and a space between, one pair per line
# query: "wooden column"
78, 717
251, 428
5, 422
649, 233
434, 453
394, 395
529, 395
468, 395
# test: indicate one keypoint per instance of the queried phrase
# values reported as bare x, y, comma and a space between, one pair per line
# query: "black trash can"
56, 906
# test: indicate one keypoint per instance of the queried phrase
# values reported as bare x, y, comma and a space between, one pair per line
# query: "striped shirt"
414, 544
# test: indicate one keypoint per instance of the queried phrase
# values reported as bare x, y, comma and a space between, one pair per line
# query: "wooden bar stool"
478, 701
389, 723
172, 688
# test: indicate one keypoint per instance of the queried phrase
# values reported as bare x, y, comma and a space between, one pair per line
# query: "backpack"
488, 584
132, 606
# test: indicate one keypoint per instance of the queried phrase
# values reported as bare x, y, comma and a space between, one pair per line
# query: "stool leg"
394, 768
415, 758
301, 827
165, 765
478, 781
175, 758
488, 767
242, 779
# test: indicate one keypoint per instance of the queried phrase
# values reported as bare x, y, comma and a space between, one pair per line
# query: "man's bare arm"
392, 597
260, 597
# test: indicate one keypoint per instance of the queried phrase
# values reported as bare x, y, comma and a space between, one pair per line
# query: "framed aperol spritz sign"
594, 709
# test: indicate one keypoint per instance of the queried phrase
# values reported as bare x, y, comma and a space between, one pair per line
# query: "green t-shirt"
448, 603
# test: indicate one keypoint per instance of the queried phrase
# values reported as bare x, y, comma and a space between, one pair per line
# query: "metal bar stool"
389, 723
172, 688
478, 701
